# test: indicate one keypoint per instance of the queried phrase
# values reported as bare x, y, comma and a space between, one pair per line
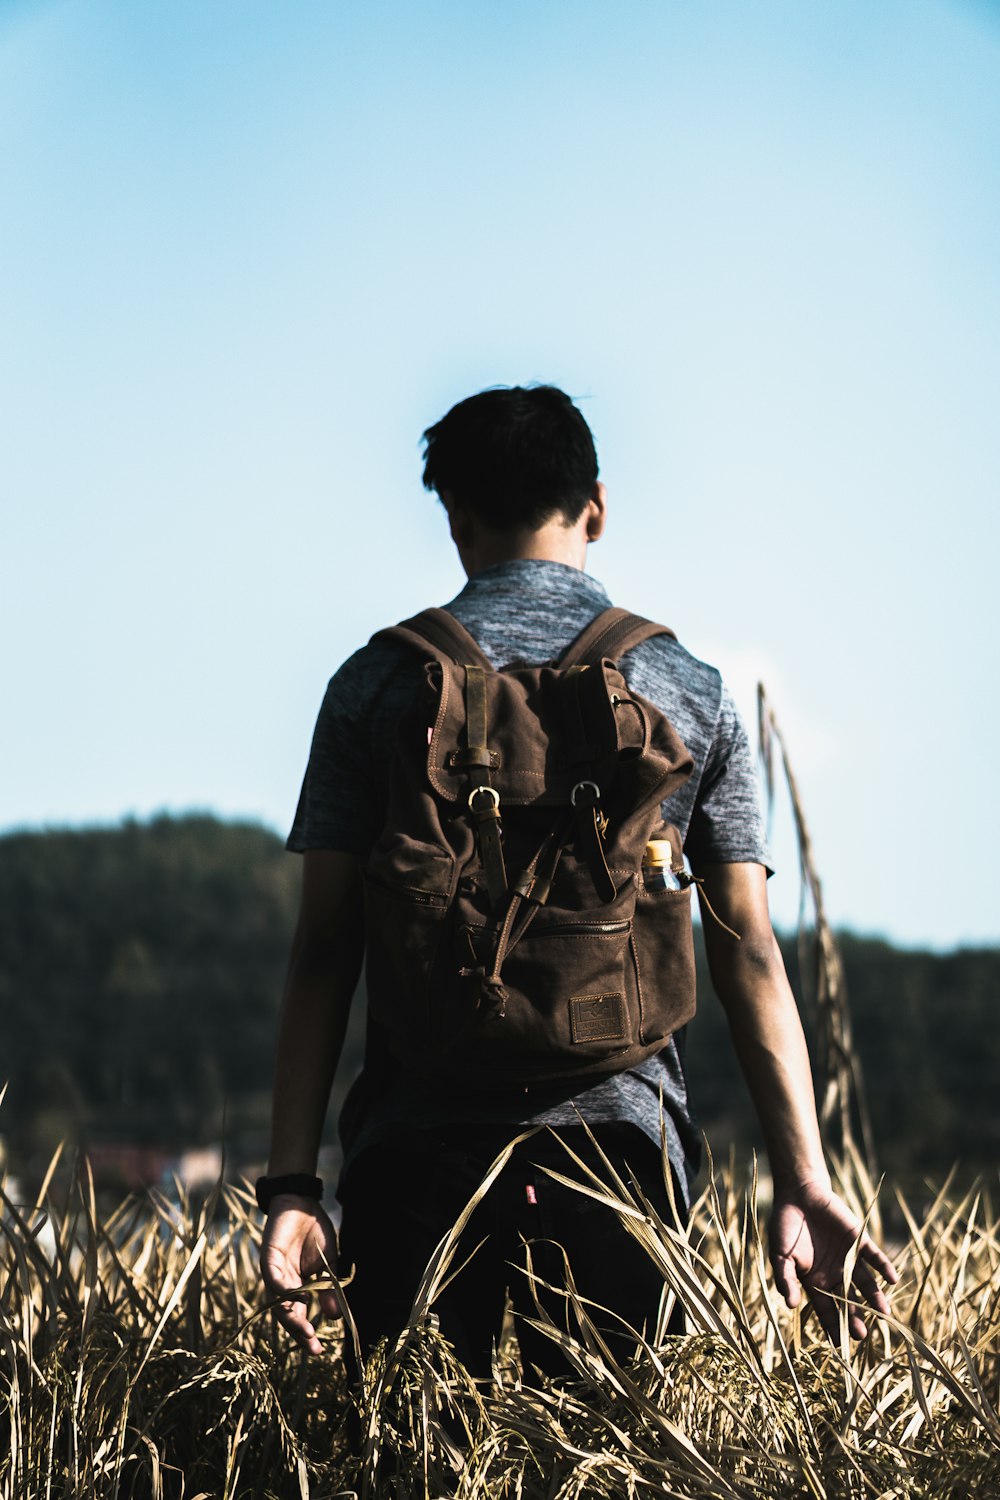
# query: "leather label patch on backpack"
597, 1018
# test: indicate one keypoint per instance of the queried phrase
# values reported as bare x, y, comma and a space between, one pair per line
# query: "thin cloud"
810, 744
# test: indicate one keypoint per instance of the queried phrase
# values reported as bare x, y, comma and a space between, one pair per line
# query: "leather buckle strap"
472, 755
484, 799
476, 713
484, 805
591, 826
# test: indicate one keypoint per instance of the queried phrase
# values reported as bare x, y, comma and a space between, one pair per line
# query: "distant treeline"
141, 969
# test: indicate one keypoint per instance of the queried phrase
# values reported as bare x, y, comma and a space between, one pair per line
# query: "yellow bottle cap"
659, 852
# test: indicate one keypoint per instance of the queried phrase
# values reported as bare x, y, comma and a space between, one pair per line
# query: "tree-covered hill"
141, 969
925, 1029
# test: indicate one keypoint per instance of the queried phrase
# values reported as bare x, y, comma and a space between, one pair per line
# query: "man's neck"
531, 546
553, 542
557, 540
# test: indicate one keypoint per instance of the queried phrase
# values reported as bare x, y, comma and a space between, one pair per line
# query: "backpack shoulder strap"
609, 635
439, 633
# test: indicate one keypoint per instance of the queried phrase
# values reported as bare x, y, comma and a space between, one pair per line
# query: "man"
516, 471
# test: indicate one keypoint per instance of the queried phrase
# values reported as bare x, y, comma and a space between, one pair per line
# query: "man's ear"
596, 513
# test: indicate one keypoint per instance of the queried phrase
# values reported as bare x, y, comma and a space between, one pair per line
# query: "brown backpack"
510, 935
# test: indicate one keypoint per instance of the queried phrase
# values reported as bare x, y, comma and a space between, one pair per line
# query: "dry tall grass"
137, 1361
840, 1085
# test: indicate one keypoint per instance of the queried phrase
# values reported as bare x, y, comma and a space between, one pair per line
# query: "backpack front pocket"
570, 1000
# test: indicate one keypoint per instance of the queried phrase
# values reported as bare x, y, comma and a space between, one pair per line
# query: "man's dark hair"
514, 456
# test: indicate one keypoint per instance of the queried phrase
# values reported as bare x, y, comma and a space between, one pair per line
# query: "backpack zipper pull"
492, 987
491, 990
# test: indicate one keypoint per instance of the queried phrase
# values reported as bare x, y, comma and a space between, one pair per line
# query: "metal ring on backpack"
579, 788
490, 791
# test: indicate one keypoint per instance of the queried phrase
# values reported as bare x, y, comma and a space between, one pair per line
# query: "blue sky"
249, 251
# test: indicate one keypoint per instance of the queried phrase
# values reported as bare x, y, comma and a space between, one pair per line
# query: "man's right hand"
323, 968
299, 1243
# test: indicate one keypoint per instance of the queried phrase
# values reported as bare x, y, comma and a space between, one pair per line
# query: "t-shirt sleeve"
337, 806
728, 824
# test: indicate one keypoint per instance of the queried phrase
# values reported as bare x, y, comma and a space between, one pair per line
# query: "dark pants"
400, 1197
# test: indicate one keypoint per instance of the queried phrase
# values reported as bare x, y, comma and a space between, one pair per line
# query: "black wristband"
299, 1183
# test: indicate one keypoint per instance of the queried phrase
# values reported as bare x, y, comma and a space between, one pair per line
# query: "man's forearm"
771, 1048
323, 969
750, 980
314, 1016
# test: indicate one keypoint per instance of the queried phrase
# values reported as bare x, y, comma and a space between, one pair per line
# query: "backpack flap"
538, 731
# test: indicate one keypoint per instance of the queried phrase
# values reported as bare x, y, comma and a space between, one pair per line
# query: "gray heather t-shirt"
527, 611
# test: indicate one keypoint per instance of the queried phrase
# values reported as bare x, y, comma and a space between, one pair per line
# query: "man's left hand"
812, 1233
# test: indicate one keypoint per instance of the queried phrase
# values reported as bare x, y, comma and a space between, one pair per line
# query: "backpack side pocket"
406, 901
663, 951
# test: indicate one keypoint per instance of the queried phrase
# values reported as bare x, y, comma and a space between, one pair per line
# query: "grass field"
137, 1360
